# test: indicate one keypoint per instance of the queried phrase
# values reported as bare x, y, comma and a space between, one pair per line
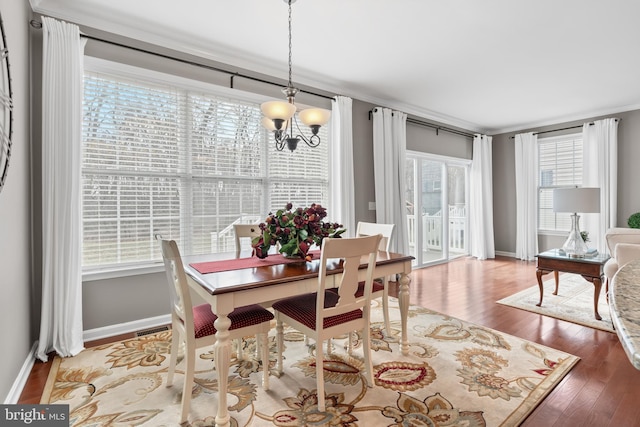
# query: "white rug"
574, 302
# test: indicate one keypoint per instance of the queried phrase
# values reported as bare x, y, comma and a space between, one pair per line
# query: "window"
183, 159
559, 165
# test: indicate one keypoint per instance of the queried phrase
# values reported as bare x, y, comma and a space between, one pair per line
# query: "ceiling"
489, 66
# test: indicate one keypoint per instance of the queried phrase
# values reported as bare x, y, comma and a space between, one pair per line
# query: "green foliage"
634, 220
585, 236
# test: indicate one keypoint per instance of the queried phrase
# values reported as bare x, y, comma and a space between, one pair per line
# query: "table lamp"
574, 200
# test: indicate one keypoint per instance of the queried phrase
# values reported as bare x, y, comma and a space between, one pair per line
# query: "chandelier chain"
290, 44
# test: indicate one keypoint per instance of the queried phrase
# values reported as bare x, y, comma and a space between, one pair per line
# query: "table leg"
539, 274
597, 286
222, 354
403, 300
556, 275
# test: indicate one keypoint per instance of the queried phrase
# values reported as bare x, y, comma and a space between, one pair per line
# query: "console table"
624, 304
591, 268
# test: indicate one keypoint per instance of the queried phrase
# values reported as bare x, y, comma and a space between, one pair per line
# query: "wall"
504, 191
15, 213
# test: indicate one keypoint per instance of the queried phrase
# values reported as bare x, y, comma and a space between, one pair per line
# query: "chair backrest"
181, 303
351, 251
242, 232
373, 228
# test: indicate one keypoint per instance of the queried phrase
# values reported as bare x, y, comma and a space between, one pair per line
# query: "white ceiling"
489, 66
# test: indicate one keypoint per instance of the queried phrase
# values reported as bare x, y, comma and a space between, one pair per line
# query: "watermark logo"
34, 415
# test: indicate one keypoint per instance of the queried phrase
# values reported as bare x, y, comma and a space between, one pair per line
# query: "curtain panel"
481, 199
600, 169
389, 158
62, 76
526, 168
341, 165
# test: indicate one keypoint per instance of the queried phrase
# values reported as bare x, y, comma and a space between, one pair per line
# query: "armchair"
614, 237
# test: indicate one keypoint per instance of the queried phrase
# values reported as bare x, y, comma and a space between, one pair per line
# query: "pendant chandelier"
279, 116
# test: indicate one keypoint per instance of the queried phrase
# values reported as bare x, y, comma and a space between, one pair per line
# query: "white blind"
159, 158
560, 166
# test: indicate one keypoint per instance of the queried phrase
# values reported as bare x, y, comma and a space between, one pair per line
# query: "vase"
293, 256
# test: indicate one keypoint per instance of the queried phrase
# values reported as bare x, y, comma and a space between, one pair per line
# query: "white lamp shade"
278, 110
314, 116
268, 123
576, 200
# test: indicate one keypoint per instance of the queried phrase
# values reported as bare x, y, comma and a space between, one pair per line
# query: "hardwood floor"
601, 390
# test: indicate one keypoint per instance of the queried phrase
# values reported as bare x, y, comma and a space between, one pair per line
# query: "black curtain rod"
558, 130
432, 126
37, 24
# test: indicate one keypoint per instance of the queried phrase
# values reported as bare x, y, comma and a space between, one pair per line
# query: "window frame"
557, 139
125, 71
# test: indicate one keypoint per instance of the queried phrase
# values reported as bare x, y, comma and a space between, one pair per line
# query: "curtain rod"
558, 130
38, 25
433, 126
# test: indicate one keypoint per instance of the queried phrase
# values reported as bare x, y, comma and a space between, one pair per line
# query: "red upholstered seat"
241, 317
303, 309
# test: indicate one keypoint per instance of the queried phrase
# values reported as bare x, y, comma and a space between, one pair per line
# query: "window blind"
560, 165
164, 159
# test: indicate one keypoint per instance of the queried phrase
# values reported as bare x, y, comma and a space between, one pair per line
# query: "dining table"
227, 282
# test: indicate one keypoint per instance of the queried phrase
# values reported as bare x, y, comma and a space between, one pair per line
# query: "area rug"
456, 374
574, 302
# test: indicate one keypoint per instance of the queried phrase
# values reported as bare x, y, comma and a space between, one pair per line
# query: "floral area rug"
574, 302
456, 374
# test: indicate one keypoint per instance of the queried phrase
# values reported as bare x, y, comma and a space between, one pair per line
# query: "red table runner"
240, 263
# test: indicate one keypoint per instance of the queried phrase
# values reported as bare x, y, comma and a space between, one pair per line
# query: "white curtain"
600, 169
481, 203
62, 75
526, 166
389, 159
341, 166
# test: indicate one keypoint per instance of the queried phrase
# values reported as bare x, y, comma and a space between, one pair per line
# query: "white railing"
225, 239
432, 229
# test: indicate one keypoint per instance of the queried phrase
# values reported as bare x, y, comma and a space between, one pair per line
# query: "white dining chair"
194, 326
380, 285
329, 313
244, 233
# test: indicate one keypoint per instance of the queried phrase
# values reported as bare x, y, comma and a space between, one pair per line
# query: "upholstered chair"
613, 237
325, 314
194, 326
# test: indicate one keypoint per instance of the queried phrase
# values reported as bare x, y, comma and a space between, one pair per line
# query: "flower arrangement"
295, 231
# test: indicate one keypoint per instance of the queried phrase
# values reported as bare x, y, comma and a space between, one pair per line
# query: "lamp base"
574, 246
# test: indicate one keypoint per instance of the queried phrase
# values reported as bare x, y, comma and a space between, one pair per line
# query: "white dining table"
261, 284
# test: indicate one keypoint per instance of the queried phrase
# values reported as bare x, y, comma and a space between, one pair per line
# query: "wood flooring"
601, 390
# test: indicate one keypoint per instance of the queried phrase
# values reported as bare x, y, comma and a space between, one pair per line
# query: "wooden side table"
556, 260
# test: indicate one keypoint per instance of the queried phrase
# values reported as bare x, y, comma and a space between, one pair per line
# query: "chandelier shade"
279, 116
315, 116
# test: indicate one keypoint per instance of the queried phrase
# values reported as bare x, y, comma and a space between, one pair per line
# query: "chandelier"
279, 116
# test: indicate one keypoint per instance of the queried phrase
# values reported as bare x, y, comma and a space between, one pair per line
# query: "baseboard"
23, 376
125, 328
509, 254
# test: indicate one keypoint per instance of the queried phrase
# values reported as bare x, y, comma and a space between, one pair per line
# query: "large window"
182, 159
560, 166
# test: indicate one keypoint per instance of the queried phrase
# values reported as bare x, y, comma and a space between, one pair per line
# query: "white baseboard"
509, 254
23, 376
124, 328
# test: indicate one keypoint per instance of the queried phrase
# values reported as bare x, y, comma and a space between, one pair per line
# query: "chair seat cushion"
241, 317
303, 309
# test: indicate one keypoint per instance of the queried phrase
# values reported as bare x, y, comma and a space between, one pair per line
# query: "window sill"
115, 272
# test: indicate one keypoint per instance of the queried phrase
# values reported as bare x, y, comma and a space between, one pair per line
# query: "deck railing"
432, 230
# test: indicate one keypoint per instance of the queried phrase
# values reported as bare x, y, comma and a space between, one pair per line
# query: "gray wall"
15, 213
504, 191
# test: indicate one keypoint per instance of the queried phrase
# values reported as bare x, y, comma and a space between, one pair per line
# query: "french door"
437, 207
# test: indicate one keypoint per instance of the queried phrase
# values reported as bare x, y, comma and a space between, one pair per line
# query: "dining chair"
194, 326
242, 233
380, 287
325, 314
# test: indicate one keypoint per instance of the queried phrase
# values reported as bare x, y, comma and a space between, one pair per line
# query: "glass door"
436, 199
